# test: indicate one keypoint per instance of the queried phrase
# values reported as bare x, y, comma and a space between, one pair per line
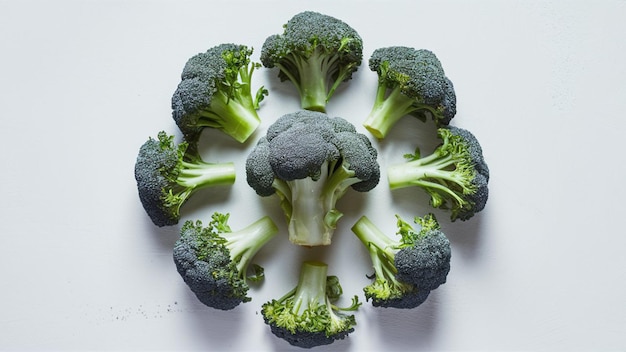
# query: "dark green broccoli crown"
477, 199
309, 31
297, 146
417, 72
359, 156
157, 167
299, 150
427, 264
306, 339
259, 173
408, 300
424, 257
217, 62
190, 98
203, 261
448, 103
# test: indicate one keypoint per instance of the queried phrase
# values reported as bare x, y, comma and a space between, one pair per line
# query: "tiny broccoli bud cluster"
308, 160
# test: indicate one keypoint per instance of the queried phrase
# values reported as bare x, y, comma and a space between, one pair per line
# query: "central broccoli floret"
310, 160
316, 53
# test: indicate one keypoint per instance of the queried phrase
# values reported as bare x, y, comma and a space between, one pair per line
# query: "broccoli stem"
311, 289
432, 167
382, 251
200, 174
370, 235
313, 214
387, 111
235, 116
245, 243
307, 225
309, 75
313, 89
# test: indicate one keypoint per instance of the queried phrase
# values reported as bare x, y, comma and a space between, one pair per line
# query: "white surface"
541, 84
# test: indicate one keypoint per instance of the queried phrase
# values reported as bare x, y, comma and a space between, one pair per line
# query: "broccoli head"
455, 175
310, 160
405, 270
167, 175
410, 82
316, 52
306, 316
214, 261
215, 91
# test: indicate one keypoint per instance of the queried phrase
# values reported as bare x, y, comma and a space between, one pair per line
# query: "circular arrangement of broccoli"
309, 160
316, 53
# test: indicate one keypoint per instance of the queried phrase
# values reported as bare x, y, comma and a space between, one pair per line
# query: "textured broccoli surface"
306, 316
316, 52
215, 91
214, 261
310, 160
455, 175
168, 174
408, 269
410, 82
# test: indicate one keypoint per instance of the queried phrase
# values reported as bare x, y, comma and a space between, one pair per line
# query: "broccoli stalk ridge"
387, 110
245, 243
239, 105
382, 253
312, 212
200, 174
311, 78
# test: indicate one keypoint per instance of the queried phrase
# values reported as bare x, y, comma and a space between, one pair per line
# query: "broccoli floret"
167, 175
316, 52
405, 270
410, 82
215, 91
214, 261
306, 316
310, 160
455, 175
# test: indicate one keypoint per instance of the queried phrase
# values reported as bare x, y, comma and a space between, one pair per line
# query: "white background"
541, 84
